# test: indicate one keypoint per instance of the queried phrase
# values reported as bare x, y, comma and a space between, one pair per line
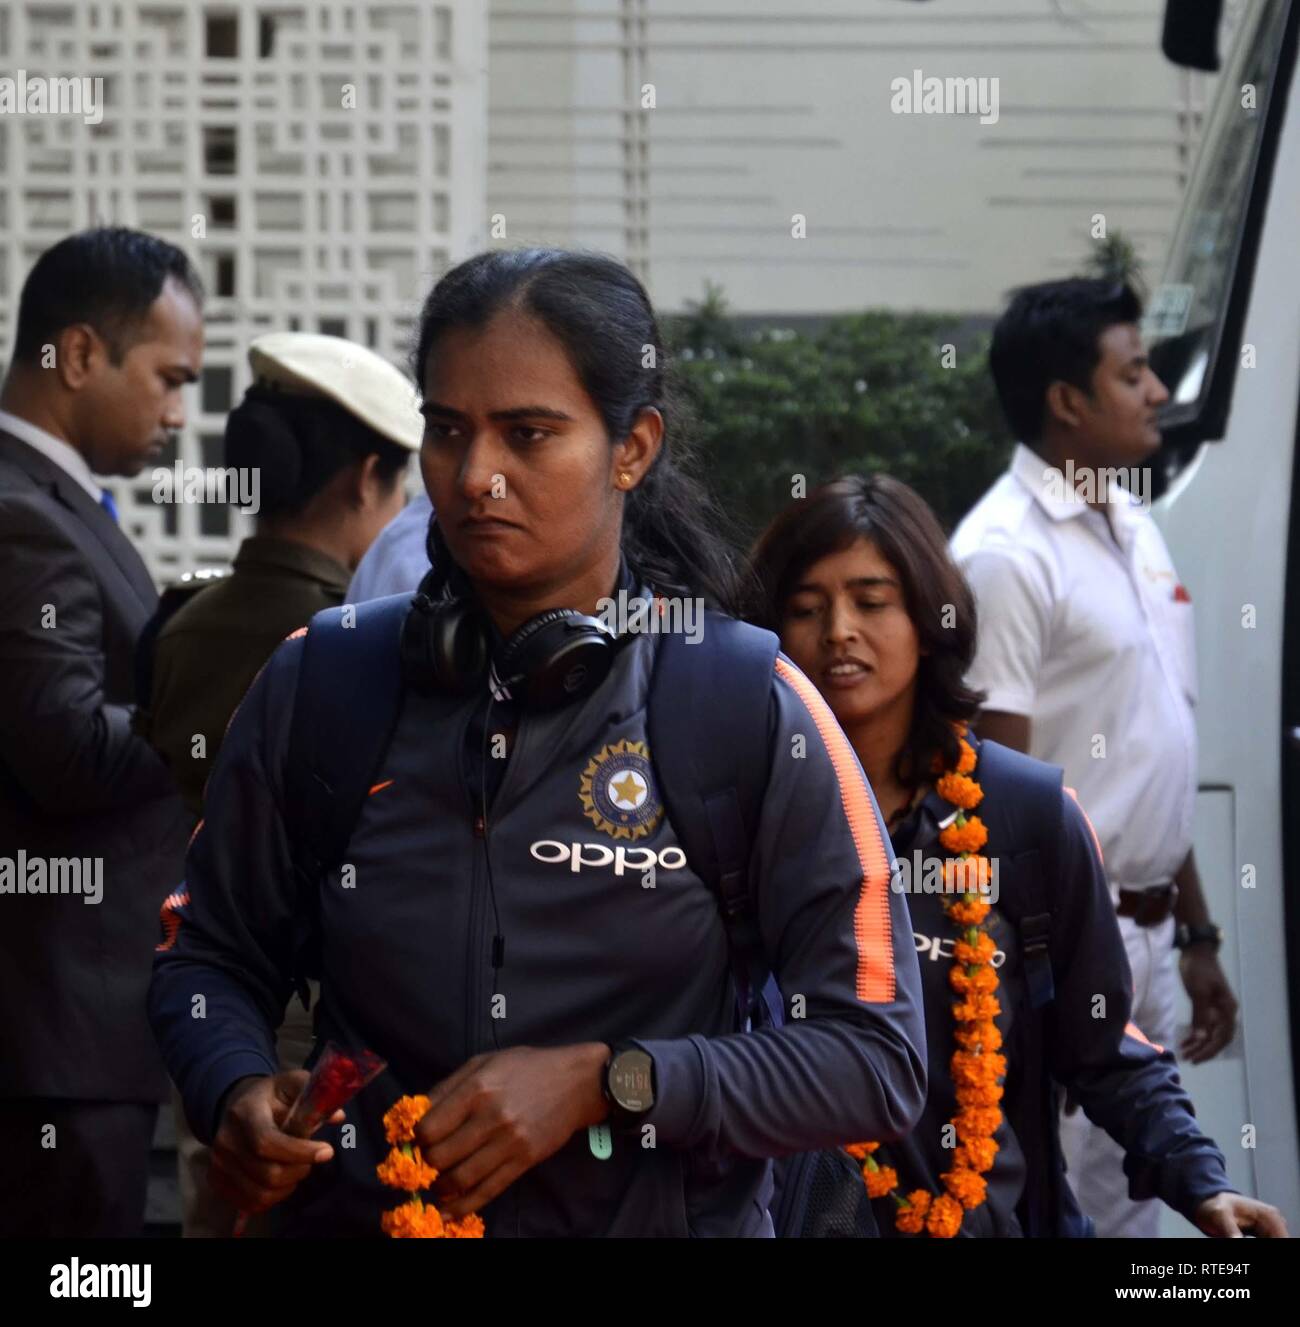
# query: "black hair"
935, 593
107, 277
602, 315
299, 443
1048, 334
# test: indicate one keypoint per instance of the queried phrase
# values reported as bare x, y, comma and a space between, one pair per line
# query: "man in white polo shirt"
1086, 653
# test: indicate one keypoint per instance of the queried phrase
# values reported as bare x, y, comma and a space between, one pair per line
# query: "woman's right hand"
255, 1165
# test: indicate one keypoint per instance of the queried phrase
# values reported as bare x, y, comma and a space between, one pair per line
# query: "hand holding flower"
255, 1163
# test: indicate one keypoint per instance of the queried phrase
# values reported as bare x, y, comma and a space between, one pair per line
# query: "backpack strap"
710, 743
348, 697
1032, 795
1037, 816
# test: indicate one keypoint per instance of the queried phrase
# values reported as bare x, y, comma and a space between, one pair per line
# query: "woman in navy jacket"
509, 986
858, 581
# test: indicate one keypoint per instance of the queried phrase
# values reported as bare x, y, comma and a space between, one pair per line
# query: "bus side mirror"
1191, 34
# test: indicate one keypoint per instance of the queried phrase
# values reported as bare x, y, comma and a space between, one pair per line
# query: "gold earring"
624, 478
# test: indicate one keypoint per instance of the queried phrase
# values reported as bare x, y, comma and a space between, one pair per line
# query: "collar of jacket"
37, 466
262, 553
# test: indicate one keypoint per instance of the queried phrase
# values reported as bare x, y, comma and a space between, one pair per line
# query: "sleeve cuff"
681, 1079
203, 1103
1199, 1182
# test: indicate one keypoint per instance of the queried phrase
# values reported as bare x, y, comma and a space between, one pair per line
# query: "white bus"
1224, 330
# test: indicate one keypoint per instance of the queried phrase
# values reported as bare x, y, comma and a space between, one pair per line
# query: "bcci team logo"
618, 791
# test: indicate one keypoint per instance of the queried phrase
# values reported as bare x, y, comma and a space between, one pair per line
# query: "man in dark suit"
92, 832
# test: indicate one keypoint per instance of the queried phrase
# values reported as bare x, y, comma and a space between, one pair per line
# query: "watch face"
630, 1082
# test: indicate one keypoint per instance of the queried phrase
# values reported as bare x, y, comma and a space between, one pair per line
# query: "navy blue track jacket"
591, 953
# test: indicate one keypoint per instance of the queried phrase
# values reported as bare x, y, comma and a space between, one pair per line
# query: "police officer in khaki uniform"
328, 427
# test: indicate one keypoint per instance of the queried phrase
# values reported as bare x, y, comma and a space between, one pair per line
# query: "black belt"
1148, 907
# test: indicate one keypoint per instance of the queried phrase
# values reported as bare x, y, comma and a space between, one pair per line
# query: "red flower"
338, 1076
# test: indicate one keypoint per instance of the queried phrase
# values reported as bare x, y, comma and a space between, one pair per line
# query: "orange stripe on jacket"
171, 919
1096, 842
1131, 1029
871, 927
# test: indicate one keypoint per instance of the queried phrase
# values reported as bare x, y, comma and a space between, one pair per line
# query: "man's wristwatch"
1185, 936
628, 1083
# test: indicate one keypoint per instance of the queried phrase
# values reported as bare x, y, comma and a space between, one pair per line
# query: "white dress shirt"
1090, 634
63, 454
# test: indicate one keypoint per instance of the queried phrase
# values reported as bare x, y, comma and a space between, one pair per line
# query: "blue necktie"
106, 501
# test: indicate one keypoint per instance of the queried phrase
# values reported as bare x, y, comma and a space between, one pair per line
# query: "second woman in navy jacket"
858, 580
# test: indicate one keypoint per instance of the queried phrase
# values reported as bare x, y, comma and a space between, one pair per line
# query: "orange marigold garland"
413, 1220
405, 1168
402, 1117
977, 1068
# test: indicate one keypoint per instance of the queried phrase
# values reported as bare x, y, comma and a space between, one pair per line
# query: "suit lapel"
67, 491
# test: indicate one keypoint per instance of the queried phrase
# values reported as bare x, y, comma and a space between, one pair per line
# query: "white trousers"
1094, 1159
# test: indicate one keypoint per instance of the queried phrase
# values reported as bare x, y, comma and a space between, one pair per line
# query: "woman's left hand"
501, 1114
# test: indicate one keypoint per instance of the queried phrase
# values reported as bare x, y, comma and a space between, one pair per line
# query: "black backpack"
1031, 810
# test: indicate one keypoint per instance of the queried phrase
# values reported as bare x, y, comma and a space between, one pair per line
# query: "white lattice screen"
228, 129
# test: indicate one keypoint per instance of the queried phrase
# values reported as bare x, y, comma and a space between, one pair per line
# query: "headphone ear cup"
530, 645
414, 647
458, 647
556, 657
444, 646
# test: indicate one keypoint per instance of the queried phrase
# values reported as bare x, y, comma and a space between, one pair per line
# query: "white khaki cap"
363, 383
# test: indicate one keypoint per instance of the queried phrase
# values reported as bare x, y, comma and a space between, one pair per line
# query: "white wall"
765, 108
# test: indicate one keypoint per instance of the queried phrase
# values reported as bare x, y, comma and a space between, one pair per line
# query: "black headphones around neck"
449, 645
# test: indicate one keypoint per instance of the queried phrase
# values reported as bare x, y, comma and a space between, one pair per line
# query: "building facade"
774, 149
322, 162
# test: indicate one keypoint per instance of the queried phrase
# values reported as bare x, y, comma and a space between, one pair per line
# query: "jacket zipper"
473, 945
477, 1033
506, 1216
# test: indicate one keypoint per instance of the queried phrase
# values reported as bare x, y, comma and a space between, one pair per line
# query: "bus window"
1194, 316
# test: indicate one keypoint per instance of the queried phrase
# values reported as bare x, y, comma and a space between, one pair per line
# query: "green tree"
1115, 258
708, 323
869, 392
